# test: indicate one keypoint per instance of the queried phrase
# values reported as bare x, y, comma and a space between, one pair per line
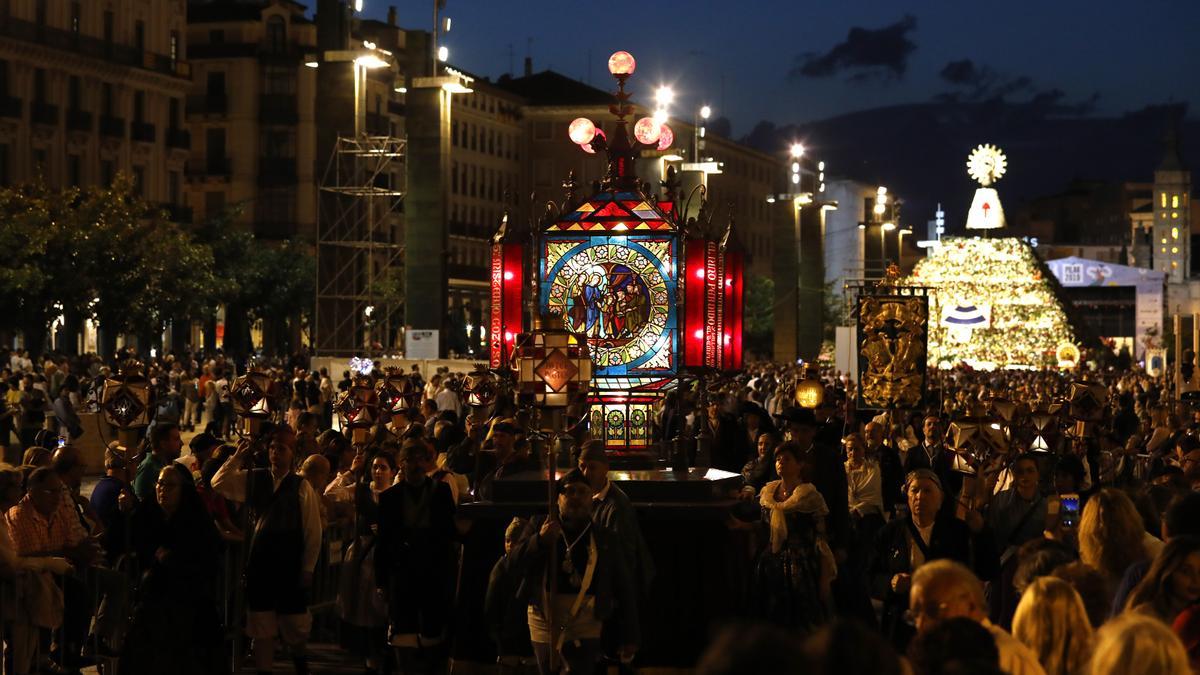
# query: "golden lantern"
553, 365
254, 399
810, 392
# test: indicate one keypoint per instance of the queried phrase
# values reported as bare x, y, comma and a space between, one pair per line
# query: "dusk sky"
790, 61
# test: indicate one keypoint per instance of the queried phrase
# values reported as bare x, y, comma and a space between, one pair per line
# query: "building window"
278, 80
139, 180
174, 47
279, 143
39, 85
174, 181
41, 12
1174, 201
216, 84
75, 170
108, 171
108, 27
216, 37
106, 100
454, 178
76, 14
276, 35
139, 106
214, 203
173, 113
139, 35
39, 162
214, 144
542, 131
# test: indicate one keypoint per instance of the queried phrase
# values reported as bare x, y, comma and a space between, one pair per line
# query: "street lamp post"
699, 127
900, 245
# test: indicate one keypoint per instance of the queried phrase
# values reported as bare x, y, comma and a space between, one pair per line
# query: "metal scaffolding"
360, 294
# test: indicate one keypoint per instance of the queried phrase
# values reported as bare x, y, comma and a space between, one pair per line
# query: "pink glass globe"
647, 130
582, 130
665, 137
621, 64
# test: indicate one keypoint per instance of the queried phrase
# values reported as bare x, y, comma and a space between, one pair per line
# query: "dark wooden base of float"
703, 567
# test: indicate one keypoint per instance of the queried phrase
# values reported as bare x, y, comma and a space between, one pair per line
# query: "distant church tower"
1172, 216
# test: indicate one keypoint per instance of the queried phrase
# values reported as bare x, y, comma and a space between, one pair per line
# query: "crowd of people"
885, 542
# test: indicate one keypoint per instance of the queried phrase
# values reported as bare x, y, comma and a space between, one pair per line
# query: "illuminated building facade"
90, 89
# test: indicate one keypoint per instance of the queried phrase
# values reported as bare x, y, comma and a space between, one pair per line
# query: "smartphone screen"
1069, 510
62, 442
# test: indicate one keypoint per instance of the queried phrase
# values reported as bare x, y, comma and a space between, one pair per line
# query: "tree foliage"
105, 253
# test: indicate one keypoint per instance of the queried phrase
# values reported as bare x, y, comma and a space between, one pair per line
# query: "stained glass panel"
619, 291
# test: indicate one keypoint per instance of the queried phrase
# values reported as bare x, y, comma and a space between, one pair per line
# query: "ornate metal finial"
891, 278
670, 184
571, 184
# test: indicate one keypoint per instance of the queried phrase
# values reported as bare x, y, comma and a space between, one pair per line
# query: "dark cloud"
868, 53
974, 83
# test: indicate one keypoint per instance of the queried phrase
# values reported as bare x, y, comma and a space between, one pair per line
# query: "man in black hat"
588, 587
202, 445
508, 457
612, 509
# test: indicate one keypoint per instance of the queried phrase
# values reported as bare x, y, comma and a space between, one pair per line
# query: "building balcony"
79, 120
278, 109
43, 113
207, 104
273, 171
144, 132
10, 106
179, 138
210, 167
112, 126
177, 213
92, 47
378, 125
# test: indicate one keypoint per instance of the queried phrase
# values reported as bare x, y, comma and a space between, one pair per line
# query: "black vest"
277, 543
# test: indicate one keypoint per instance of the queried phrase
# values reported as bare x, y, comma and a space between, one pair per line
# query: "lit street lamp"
705, 113
900, 245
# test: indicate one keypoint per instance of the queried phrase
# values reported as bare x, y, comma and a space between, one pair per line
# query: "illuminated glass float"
650, 295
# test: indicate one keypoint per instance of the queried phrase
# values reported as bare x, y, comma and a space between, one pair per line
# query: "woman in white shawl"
795, 568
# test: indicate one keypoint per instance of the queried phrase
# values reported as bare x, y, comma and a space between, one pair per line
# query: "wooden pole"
1178, 353
552, 566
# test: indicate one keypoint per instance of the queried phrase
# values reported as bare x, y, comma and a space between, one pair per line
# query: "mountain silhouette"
919, 151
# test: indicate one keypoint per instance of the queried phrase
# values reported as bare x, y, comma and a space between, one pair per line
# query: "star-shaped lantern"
358, 406
552, 364
254, 395
480, 388
396, 391
127, 399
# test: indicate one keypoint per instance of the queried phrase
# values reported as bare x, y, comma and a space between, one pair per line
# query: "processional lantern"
358, 408
480, 390
611, 267
810, 392
552, 365
127, 402
254, 399
733, 300
396, 391
508, 276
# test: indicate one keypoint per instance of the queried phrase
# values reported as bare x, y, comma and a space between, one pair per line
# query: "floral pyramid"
992, 305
